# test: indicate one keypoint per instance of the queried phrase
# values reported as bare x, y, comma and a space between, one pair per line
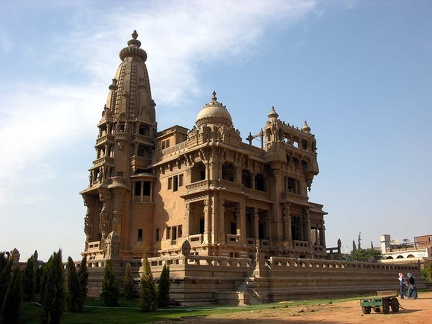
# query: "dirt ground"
411, 311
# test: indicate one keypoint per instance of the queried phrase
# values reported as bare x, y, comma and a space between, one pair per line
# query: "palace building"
233, 221
150, 191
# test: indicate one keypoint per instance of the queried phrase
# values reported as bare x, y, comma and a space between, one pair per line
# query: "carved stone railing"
225, 184
195, 239
105, 138
104, 160
286, 195
280, 263
232, 239
174, 149
252, 150
198, 185
256, 193
201, 260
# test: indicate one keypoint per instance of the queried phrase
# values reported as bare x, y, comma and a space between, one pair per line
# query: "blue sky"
359, 72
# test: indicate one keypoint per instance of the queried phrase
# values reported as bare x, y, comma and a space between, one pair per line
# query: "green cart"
381, 303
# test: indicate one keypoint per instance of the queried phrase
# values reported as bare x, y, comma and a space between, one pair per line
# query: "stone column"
241, 222
220, 225
253, 175
287, 224
186, 222
308, 227
207, 234
322, 234
256, 224
117, 216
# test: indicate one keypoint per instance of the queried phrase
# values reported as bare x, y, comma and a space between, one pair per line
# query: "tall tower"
125, 141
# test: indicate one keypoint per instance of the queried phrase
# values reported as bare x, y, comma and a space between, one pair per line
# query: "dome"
213, 113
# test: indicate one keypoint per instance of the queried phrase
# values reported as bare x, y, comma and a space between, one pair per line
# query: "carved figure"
186, 248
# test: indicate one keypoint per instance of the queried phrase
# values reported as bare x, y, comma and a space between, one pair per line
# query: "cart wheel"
385, 308
377, 309
366, 309
394, 305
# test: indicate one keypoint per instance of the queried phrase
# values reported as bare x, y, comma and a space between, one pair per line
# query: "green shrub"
28, 280
53, 290
83, 277
128, 283
110, 287
148, 295
164, 287
5, 277
10, 310
75, 300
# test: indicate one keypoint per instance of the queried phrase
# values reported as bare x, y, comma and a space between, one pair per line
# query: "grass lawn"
129, 312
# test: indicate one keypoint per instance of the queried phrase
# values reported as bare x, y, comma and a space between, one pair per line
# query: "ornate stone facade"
153, 190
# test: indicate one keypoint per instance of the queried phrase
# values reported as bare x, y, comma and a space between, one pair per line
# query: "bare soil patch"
411, 311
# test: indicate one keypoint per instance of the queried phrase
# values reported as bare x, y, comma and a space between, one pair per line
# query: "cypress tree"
164, 287
110, 287
74, 298
5, 277
38, 279
28, 280
10, 311
3, 261
53, 297
83, 277
44, 277
128, 284
148, 296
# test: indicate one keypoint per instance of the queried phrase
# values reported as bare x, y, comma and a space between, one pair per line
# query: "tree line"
47, 284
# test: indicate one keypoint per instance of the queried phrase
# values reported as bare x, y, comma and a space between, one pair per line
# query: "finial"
306, 127
134, 34
214, 96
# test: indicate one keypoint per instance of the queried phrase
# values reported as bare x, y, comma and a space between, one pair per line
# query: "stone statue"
186, 248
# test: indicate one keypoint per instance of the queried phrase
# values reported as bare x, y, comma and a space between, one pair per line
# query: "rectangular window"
140, 233
175, 185
180, 231
147, 186
157, 234
137, 189
169, 183
168, 233
165, 144
180, 181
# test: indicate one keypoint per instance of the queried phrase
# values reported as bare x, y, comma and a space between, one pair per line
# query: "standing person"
412, 292
402, 284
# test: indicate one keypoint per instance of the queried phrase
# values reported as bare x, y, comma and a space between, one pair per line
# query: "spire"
133, 49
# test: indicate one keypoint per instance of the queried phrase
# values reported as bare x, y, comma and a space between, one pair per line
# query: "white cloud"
40, 117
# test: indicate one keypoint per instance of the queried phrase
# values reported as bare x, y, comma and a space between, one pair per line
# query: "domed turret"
273, 114
306, 128
213, 113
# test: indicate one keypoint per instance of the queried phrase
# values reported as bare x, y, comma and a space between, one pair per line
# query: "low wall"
237, 281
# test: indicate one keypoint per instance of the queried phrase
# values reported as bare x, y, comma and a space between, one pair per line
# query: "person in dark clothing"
412, 291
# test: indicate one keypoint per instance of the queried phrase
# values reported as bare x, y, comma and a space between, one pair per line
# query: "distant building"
406, 251
149, 191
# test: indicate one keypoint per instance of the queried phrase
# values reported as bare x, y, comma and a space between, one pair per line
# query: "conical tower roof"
130, 94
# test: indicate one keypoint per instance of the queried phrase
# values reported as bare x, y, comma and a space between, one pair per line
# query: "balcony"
105, 160
287, 196
107, 138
